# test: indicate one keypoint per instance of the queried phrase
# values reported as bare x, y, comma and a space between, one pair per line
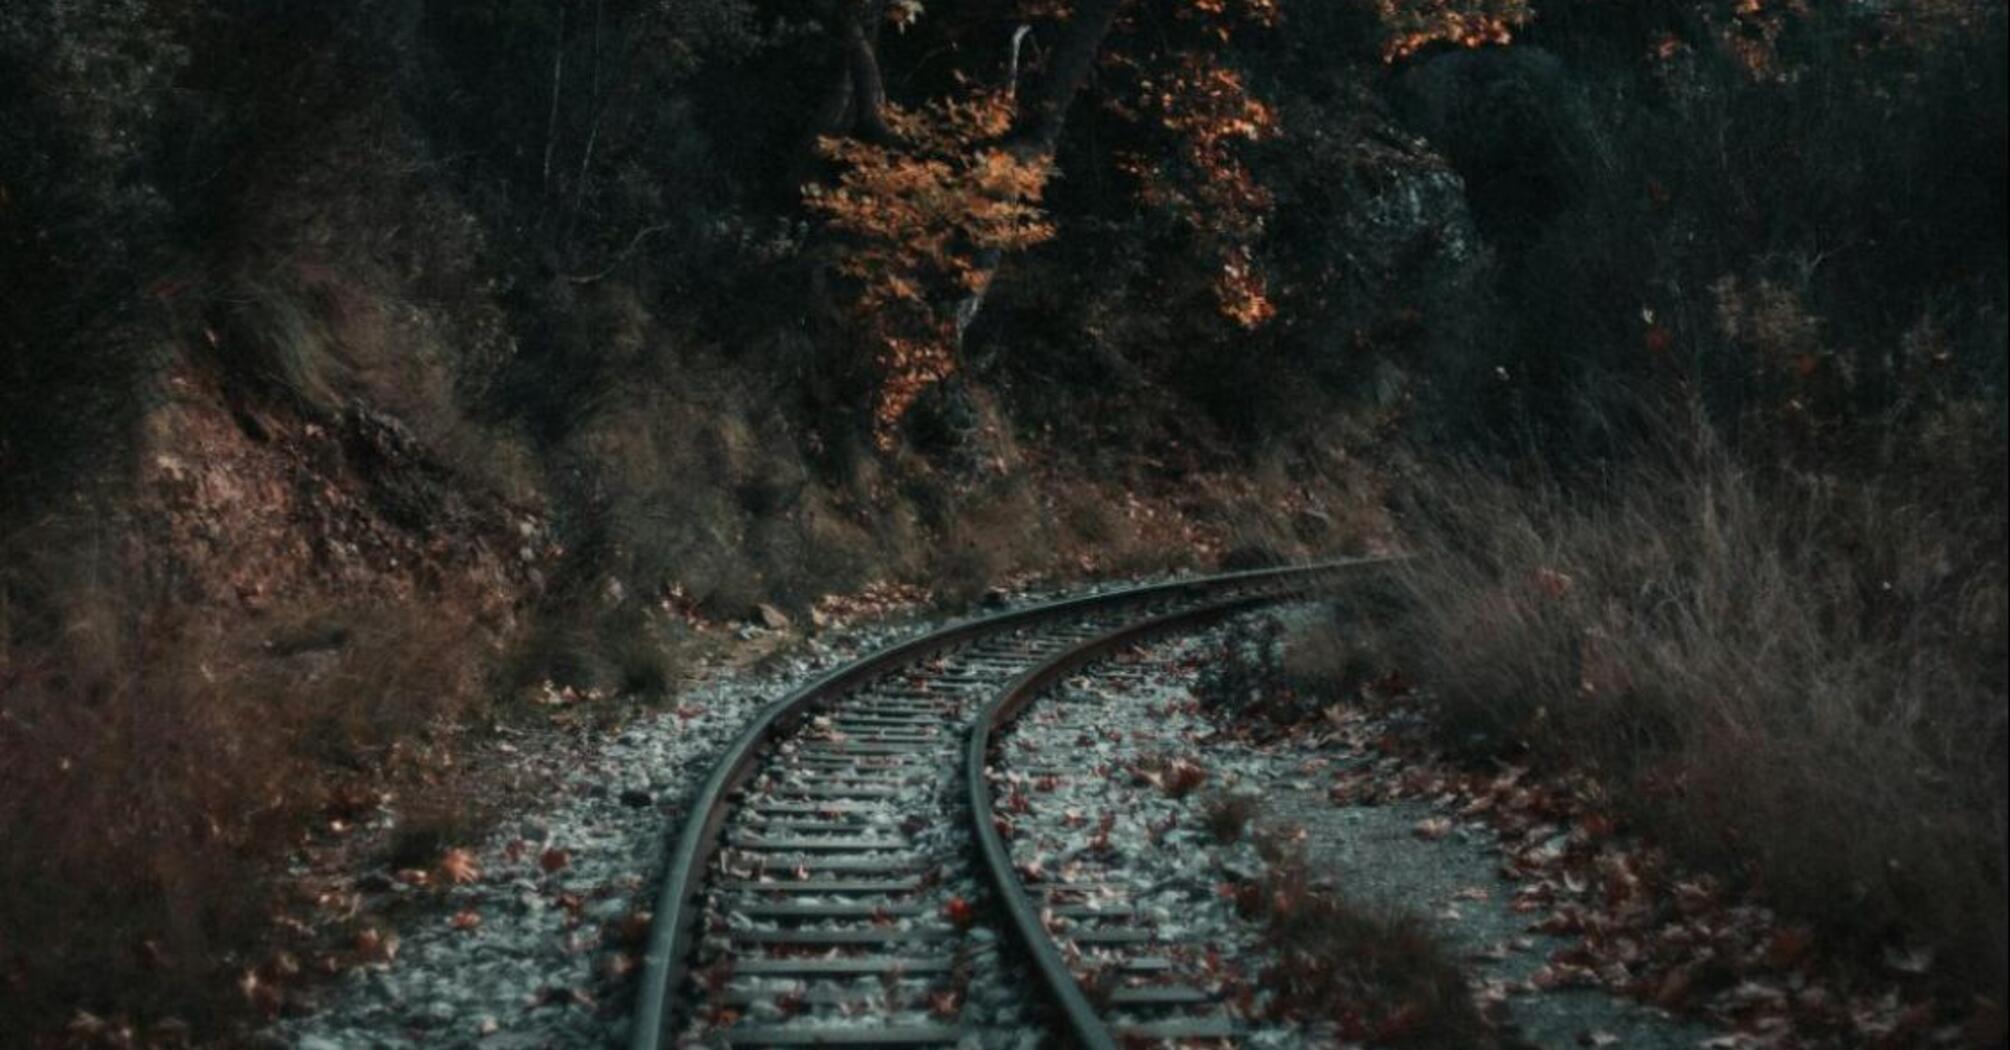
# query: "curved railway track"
839, 880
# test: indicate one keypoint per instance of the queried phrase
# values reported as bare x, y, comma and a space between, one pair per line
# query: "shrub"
1797, 678
152, 764
1270, 674
1381, 978
1227, 815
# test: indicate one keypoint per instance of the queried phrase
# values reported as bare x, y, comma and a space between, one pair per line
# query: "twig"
557, 85
633, 244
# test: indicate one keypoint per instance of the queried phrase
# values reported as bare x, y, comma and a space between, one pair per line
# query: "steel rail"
1084, 1026
670, 942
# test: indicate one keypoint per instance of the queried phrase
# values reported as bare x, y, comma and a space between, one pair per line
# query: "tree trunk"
1042, 118
1067, 69
868, 87
855, 104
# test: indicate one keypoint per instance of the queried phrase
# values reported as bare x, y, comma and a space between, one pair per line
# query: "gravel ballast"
539, 948
527, 957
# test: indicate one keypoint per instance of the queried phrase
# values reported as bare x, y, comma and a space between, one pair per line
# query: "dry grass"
1174, 776
1227, 815
1799, 679
1383, 979
1271, 678
152, 767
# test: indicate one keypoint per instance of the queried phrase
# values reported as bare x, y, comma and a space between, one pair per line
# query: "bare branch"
641, 235
557, 86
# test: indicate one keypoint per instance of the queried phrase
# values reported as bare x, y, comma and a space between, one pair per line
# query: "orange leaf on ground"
959, 913
458, 865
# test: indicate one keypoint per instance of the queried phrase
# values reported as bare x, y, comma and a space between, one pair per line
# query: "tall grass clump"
1381, 978
155, 765
1797, 677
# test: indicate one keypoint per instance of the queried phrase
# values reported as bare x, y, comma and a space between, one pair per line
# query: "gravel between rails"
924, 823
1066, 778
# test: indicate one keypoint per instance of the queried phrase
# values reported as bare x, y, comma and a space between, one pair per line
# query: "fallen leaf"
1674, 988
458, 865
1786, 947
1433, 828
959, 913
634, 928
374, 945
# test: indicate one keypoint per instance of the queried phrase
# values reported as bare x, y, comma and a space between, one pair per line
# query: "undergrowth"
152, 763
1379, 978
1795, 679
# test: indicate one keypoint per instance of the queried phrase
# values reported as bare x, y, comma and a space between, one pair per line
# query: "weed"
1226, 815
1384, 979
1175, 776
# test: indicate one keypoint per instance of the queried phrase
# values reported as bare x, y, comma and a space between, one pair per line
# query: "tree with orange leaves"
919, 217
1416, 24
928, 200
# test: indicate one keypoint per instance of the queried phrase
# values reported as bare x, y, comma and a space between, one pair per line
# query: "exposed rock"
1513, 125
1383, 236
770, 617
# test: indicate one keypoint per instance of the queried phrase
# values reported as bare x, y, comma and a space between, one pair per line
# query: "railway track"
840, 878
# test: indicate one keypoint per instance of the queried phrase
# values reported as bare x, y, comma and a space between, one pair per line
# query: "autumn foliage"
917, 217
922, 221
1209, 112
1416, 24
